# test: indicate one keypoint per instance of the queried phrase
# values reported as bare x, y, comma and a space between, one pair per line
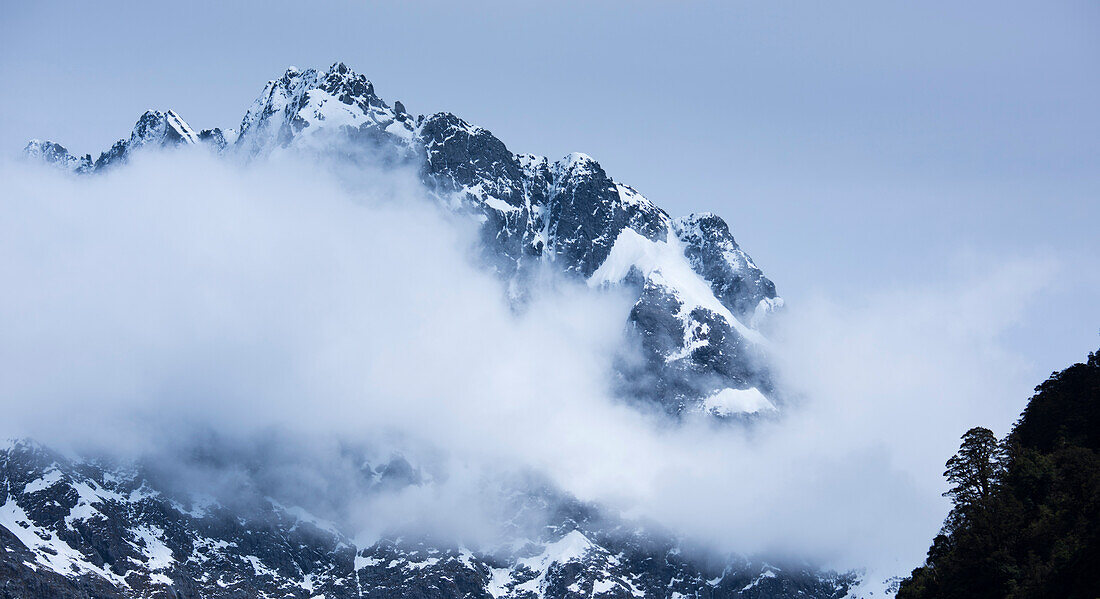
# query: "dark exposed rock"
715, 256
214, 137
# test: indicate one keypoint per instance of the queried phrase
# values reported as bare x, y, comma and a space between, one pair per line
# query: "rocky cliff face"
701, 298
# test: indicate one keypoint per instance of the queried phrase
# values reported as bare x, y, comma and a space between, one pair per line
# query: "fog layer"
184, 298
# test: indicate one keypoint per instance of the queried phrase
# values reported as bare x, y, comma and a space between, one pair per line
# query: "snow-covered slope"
701, 300
74, 529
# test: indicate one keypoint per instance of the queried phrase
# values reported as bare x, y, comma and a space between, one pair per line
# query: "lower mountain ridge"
81, 529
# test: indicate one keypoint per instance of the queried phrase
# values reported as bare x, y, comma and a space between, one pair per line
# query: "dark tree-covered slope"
1036, 533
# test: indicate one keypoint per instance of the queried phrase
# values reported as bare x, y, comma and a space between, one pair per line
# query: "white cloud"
183, 293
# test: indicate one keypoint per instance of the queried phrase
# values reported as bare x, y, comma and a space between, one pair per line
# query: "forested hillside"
1026, 516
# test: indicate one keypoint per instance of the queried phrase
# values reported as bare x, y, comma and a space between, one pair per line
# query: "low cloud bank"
183, 296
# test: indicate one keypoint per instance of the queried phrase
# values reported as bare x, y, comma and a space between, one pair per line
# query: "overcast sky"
853, 147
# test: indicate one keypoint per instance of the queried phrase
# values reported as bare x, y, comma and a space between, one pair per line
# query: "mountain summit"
701, 300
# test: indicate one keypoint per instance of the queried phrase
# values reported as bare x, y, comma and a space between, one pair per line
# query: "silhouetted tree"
975, 471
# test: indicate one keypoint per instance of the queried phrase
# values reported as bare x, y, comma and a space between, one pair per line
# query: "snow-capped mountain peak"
701, 299
162, 128
302, 103
78, 529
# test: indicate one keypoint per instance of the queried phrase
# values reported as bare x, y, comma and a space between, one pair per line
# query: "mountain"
701, 300
82, 529
153, 129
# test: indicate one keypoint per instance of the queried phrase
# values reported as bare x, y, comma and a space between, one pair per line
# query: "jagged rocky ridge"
701, 299
86, 529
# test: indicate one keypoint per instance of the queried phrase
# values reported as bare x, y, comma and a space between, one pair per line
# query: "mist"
284, 311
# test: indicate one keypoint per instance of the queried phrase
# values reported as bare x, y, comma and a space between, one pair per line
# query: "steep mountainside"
701, 299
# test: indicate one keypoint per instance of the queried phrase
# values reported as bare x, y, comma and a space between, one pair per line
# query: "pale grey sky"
853, 147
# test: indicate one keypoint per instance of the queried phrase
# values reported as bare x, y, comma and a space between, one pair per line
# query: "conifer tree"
975, 471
